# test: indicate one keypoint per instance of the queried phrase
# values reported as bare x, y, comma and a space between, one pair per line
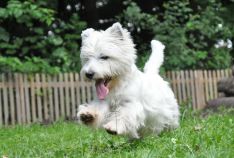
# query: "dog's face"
106, 55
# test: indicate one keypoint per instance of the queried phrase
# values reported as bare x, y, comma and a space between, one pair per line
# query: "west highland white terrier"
129, 102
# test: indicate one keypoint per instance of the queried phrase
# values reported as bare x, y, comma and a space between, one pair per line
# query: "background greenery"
44, 36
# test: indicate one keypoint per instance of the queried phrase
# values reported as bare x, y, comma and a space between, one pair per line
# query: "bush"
42, 41
191, 34
29, 65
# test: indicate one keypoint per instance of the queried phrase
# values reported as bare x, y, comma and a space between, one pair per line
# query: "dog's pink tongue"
101, 90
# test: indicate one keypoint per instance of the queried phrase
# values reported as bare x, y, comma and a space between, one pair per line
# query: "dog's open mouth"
102, 88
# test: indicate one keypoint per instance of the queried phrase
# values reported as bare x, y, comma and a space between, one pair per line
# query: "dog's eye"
104, 57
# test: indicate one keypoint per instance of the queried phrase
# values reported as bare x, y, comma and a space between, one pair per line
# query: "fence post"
200, 95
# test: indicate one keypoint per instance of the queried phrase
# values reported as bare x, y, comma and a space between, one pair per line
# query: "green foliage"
29, 65
25, 12
42, 41
137, 22
189, 32
141, 21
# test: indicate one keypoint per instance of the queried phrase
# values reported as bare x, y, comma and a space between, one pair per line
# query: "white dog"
129, 102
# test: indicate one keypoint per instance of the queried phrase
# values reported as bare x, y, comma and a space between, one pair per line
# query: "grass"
198, 136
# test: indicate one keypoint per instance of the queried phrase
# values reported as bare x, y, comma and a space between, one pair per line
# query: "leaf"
3, 13
39, 31
17, 12
4, 35
201, 54
55, 40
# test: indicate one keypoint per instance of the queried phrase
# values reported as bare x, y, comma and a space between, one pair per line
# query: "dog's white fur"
138, 102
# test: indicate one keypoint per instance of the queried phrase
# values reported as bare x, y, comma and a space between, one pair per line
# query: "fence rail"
37, 98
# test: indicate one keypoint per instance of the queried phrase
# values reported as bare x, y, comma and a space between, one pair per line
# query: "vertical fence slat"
51, 102
182, 73
168, 75
218, 79
17, 97
5, 100
223, 74
22, 100
214, 78
230, 72
12, 98
33, 99
26, 98
67, 99
198, 102
61, 95
174, 83
210, 85
73, 109
188, 88
227, 72
192, 88
56, 101
201, 90
77, 85
45, 96
178, 78
206, 86
38, 96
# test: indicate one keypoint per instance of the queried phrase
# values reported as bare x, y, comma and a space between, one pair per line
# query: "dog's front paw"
87, 116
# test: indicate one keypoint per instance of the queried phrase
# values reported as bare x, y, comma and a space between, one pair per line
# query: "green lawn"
198, 136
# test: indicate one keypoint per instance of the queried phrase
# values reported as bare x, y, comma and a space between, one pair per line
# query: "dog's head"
106, 55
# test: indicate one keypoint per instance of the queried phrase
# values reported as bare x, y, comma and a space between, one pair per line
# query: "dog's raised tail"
156, 58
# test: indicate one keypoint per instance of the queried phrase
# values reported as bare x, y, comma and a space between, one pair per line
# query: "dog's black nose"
89, 75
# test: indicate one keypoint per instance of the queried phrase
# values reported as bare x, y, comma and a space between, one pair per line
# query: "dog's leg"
93, 114
127, 120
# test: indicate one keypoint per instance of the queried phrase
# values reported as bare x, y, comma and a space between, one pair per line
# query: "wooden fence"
196, 87
41, 98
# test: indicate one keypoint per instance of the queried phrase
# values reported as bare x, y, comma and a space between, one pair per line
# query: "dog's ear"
86, 33
116, 30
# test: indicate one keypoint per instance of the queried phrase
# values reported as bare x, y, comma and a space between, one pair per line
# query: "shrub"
191, 34
32, 35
